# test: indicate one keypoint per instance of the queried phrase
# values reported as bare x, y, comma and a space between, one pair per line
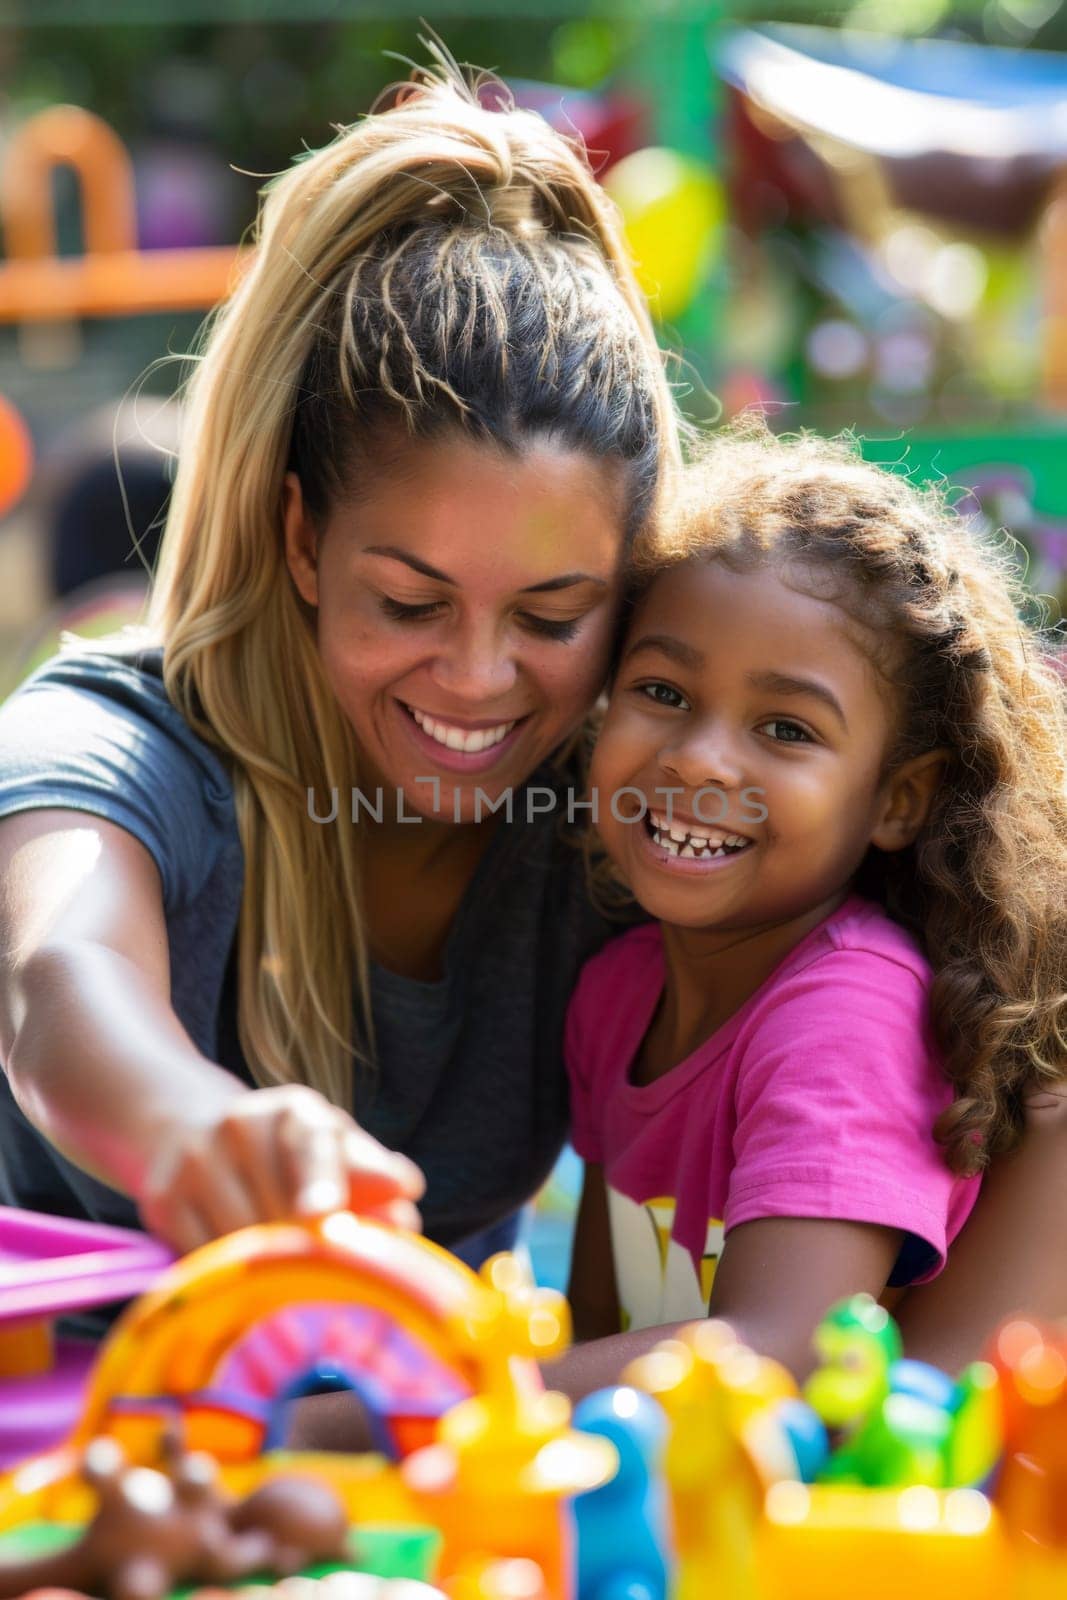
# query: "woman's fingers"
276, 1153
225, 1200
183, 1228
397, 1213
245, 1143
375, 1174
311, 1156
329, 1163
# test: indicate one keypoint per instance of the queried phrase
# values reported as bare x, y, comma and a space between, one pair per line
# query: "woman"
420, 439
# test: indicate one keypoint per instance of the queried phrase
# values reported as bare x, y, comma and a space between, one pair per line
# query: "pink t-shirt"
816, 1099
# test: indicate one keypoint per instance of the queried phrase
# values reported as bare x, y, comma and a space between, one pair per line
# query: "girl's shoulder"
861, 927
624, 960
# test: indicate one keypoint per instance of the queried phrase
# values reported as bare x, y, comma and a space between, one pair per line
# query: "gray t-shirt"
470, 1081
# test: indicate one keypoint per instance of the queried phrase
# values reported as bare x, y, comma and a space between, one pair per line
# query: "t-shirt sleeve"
97, 735
578, 1039
836, 1100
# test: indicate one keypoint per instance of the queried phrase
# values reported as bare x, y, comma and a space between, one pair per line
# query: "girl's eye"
550, 627
788, 732
664, 695
399, 612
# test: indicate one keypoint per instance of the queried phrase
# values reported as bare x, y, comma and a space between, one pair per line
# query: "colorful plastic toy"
900, 1422
478, 1482
444, 1362
622, 1527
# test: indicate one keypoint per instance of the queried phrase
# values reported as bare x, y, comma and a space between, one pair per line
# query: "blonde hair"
984, 887
439, 264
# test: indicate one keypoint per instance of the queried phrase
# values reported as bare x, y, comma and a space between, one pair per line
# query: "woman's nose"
475, 666
705, 755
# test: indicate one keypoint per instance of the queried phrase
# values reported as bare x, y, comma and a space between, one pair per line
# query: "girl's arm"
776, 1279
593, 1296
98, 1060
1010, 1256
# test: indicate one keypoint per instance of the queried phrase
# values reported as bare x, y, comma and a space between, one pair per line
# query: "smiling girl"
832, 768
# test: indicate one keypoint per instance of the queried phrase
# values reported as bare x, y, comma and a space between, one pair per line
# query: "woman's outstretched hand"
269, 1155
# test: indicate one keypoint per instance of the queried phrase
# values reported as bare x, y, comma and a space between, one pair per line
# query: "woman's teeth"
467, 740
691, 843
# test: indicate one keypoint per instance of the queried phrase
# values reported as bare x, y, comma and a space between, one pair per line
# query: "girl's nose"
705, 756
475, 667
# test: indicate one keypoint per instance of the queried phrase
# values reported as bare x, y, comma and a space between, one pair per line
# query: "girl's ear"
907, 798
301, 541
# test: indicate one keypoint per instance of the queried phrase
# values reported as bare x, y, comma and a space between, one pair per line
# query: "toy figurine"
899, 1421
623, 1526
154, 1530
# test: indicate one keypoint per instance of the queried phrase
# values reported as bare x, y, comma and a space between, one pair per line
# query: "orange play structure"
113, 277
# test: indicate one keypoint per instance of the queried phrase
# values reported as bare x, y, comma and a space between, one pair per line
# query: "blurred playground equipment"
901, 234
850, 229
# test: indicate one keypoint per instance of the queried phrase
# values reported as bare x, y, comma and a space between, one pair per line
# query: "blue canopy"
903, 98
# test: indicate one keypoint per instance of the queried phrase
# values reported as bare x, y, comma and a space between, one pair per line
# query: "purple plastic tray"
48, 1266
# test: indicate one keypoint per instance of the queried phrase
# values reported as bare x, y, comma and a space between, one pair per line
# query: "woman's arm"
1010, 1256
100, 1063
776, 1279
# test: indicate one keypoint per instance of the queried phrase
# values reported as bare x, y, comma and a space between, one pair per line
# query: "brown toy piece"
155, 1530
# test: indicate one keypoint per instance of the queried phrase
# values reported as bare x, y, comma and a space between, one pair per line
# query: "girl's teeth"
692, 846
458, 738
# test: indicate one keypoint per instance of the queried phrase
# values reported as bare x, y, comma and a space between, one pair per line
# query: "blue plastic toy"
623, 1526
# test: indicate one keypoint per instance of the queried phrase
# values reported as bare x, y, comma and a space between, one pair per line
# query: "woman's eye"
550, 627
399, 612
664, 695
788, 732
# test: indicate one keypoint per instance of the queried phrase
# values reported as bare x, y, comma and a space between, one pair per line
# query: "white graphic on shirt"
655, 1275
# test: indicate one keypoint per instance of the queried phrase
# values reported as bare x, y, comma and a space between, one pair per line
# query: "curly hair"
984, 887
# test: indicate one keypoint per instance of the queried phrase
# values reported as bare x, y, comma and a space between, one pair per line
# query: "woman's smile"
461, 746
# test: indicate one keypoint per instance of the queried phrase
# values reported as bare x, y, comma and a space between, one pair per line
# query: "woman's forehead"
468, 510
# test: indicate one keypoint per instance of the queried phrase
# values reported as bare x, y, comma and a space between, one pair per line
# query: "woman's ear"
301, 541
907, 797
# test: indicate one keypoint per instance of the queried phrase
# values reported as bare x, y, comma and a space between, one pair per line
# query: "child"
832, 767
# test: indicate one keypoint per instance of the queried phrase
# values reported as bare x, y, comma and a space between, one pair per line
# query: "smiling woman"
472, 645
418, 444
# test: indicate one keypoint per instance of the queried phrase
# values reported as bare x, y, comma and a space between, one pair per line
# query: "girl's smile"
754, 725
684, 844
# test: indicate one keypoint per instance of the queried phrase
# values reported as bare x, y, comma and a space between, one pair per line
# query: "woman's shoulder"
114, 694
94, 731
126, 673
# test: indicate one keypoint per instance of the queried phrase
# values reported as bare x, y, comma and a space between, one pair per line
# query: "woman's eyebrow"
567, 580
396, 554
